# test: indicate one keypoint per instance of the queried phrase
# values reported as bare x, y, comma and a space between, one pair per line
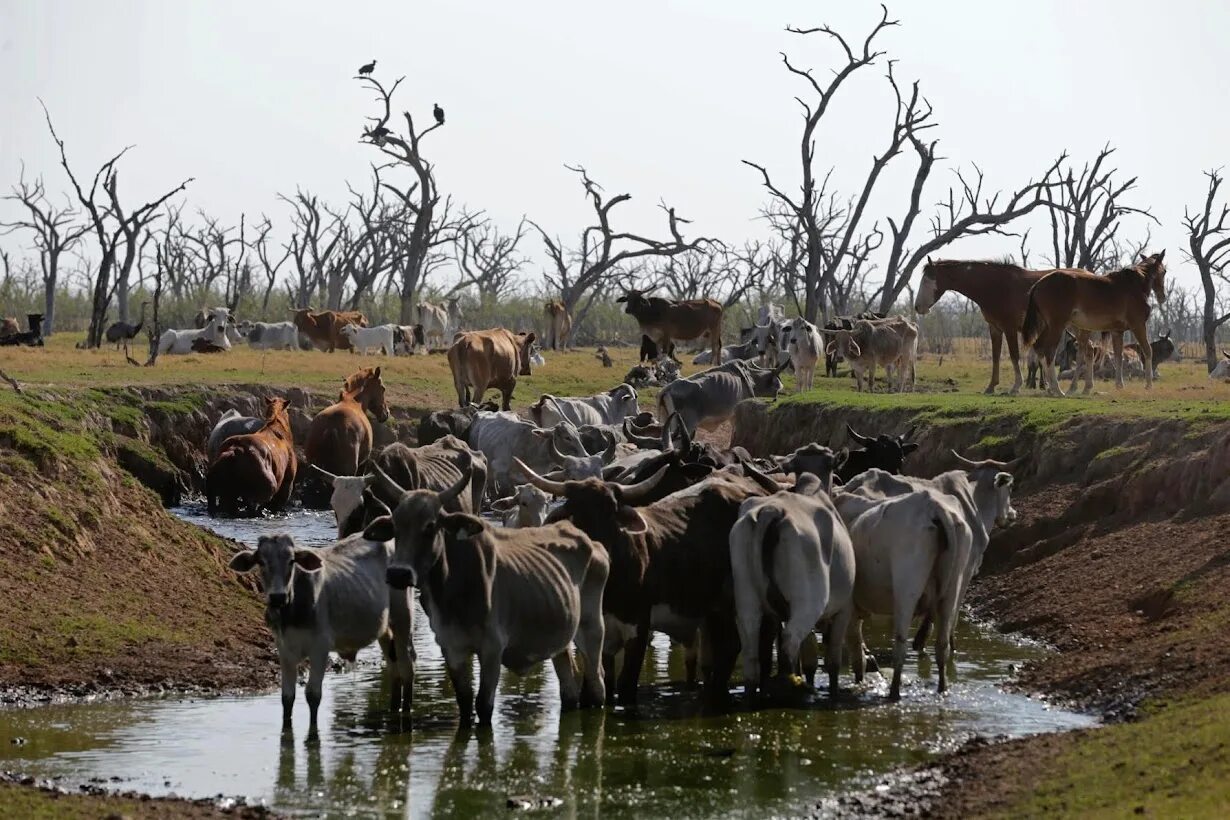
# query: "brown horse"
340, 437
1116, 302
1001, 291
257, 468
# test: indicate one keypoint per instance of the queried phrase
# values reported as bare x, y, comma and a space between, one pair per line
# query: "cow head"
349, 331
531, 505
814, 459
367, 388
525, 353
415, 527
635, 302
625, 400
767, 382
347, 492
278, 557
843, 346
885, 451
1163, 348
563, 438
996, 476
594, 503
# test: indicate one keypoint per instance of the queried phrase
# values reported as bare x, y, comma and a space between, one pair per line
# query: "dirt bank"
1121, 560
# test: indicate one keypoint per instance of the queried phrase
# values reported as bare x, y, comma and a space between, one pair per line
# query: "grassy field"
951, 386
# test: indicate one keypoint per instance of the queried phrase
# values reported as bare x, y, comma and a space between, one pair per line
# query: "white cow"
526, 507
270, 335
435, 322
806, 347
213, 333
333, 599
1222, 369
366, 339
798, 544
611, 407
911, 552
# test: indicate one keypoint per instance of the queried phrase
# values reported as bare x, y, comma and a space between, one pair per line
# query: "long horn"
467, 470
969, 463
632, 493
324, 472
684, 435
863, 440
644, 442
555, 451
389, 484
608, 455
908, 433
766, 483
544, 484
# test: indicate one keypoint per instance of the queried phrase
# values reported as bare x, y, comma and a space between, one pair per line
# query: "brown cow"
489, 358
257, 468
324, 327
340, 436
663, 320
559, 324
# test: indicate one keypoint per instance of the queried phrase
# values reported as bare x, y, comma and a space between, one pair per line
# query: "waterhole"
671, 757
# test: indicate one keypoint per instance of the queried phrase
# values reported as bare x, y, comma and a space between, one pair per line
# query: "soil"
25, 797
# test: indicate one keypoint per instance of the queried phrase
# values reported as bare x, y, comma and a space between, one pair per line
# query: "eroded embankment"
103, 590
1121, 560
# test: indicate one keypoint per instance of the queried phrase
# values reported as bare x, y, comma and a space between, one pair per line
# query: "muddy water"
670, 758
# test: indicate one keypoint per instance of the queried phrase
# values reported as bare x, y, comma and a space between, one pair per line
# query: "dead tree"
113, 228
220, 254
488, 259
55, 230
580, 274
270, 262
1086, 210
1208, 240
314, 239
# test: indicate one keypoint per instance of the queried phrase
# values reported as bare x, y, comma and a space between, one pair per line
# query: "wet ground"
669, 758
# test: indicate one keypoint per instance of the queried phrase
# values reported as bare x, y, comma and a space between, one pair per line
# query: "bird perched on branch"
377, 135
439, 114
368, 69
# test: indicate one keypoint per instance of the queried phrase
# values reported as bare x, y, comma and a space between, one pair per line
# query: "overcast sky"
657, 99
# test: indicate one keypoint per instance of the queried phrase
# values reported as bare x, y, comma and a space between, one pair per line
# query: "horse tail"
1035, 322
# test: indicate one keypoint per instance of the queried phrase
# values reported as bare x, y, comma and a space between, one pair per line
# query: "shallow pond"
669, 758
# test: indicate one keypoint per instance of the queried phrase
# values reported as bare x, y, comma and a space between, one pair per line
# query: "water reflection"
671, 757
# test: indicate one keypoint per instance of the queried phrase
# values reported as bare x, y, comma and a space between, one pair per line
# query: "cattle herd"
573, 532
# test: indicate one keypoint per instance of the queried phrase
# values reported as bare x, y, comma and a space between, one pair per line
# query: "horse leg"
1146, 351
1014, 351
997, 341
1117, 341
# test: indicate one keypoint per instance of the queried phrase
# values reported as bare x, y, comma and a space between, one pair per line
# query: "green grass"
1172, 763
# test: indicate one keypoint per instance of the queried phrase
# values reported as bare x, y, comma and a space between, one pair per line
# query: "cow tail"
760, 560
1034, 323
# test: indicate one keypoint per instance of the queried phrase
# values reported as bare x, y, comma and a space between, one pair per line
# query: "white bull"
214, 332
366, 339
798, 545
806, 347
611, 407
270, 335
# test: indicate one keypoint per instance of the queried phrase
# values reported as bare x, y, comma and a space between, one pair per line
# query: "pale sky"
658, 99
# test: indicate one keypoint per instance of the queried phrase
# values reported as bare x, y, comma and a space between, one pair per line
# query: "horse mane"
990, 263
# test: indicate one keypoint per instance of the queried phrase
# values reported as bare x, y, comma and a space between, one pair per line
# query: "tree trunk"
50, 275
101, 298
1210, 340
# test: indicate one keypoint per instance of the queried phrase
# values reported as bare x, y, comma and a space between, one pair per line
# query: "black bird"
377, 135
439, 112
369, 68
125, 332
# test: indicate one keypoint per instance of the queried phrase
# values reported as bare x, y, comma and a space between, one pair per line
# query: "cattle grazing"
792, 562
883, 452
340, 436
324, 327
1221, 370
125, 331
670, 565
559, 324
526, 507
664, 320
231, 423
364, 340
611, 407
270, 335
256, 468
333, 599
708, 398
512, 597
805, 348
1116, 302
214, 333
890, 342
481, 359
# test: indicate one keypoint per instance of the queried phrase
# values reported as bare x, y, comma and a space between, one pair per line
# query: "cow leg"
401, 622
569, 690
854, 641
506, 398
809, 657
634, 659
290, 679
839, 627
319, 660
488, 680
997, 343
590, 636
723, 637
458, 663
1014, 352
943, 634
748, 616
920, 636
908, 586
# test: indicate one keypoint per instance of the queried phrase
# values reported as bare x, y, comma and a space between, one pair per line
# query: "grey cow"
230, 424
709, 398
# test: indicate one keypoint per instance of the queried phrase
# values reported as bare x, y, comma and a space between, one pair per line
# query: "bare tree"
220, 254
488, 259
112, 226
55, 231
1085, 212
271, 264
583, 272
314, 238
1208, 239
